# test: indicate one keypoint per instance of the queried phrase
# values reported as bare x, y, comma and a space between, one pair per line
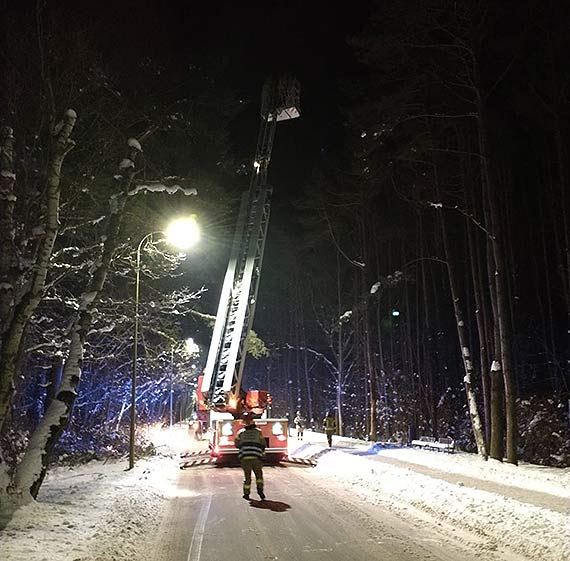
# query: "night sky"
242, 44
246, 42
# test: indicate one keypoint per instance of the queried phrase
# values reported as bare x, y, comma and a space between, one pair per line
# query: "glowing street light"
182, 234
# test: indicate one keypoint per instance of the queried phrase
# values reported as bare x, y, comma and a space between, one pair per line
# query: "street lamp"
182, 233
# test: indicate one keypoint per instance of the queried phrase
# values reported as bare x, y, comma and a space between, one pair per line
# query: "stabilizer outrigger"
203, 458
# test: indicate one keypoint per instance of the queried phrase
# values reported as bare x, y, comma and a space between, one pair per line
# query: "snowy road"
362, 501
305, 518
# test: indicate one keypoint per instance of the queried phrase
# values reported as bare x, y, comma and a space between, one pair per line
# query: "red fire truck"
222, 427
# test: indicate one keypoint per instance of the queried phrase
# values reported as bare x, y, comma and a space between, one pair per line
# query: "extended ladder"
221, 384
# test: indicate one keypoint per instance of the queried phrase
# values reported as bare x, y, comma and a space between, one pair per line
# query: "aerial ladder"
221, 383
220, 387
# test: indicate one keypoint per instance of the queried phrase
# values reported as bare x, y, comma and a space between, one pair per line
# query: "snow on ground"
101, 511
95, 512
536, 533
554, 481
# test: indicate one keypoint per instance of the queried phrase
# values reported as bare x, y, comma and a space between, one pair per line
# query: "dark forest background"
417, 271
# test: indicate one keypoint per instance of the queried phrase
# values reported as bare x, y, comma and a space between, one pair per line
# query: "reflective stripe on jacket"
329, 424
250, 443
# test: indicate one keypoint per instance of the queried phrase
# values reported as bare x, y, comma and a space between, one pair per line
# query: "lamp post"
171, 392
182, 233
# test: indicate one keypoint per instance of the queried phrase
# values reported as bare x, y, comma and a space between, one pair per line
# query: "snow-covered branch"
160, 187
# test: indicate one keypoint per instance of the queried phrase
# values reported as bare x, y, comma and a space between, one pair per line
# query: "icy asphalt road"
305, 518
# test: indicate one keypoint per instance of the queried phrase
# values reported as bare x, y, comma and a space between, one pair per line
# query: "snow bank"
96, 512
531, 531
554, 481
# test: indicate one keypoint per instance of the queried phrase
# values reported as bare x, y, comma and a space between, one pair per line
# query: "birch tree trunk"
477, 427
481, 319
14, 332
31, 471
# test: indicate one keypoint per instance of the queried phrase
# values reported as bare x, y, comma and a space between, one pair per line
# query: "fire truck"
220, 389
221, 427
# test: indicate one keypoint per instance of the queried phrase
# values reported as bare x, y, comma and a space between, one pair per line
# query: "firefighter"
251, 445
329, 424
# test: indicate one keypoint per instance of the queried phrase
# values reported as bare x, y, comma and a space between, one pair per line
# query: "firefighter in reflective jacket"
329, 424
251, 446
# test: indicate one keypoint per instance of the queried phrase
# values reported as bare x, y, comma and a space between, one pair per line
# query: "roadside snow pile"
99, 511
531, 531
555, 481
95, 512
307, 450
316, 442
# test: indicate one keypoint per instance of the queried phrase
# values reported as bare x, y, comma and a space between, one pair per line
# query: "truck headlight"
227, 429
277, 428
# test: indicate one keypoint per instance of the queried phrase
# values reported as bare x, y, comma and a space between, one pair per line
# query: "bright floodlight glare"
183, 233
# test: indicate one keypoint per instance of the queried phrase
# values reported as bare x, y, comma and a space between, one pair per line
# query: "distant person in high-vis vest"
329, 424
251, 446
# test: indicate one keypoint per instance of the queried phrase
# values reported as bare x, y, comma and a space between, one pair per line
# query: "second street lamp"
182, 234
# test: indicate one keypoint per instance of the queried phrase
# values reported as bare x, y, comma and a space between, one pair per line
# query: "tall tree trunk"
340, 352
502, 318
8, 259
31, 471
476, 425
367, 348
306, 368
371, 380
564, 186
425, 332
480, 317
497, 448
13, 334
53, 381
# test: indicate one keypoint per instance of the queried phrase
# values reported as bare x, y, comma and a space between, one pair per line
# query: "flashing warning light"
258, 400
232, 403
200, 396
